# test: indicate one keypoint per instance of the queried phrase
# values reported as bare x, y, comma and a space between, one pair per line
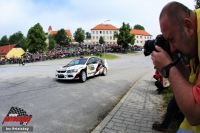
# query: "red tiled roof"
5, 49
67, 31
140, 32
105, 27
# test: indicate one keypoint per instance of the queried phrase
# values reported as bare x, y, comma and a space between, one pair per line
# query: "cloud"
21, 15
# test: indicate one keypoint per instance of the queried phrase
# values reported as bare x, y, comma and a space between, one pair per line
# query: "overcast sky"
21, 15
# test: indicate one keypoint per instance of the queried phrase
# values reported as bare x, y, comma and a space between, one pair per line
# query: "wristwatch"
165, 70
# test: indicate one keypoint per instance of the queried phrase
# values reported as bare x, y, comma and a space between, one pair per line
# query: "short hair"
175, 11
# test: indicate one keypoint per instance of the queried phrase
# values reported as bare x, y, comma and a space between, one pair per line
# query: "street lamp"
105, 37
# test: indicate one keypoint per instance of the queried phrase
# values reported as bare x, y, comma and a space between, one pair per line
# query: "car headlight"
74, 70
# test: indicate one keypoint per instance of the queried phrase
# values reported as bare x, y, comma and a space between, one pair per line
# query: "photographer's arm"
183, 91
182, 88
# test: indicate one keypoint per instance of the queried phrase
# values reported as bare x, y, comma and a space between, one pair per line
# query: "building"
51, 32
104, 30
10, 51
140, 37
87, 41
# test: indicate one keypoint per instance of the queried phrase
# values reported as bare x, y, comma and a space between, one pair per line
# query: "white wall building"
104, 30
140, 37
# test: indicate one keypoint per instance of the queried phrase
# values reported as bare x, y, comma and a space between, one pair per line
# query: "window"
96, 32
106, 32
91, 60
111, 32
110, 37
103, 32
93, 37
100, 32
107, 37
140, 36
97, 37
137, 36
140, 41
93, 32
137, 41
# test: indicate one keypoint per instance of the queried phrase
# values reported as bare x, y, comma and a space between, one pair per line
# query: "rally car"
82, 68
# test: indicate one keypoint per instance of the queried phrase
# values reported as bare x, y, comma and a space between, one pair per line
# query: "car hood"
71, 67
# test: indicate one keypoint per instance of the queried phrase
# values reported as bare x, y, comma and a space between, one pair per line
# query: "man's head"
178, 26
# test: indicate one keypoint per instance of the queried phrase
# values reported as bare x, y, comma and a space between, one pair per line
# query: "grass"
109, 56
174, 125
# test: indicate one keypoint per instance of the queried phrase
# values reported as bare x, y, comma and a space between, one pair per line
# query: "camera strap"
176, 61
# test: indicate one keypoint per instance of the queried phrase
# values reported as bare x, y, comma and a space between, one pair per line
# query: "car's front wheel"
83, 76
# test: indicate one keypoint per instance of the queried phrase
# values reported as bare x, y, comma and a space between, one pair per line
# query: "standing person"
172, 111
20, 61
180, 26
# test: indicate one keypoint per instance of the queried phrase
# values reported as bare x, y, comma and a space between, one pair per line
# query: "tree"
139, 27
124, 37
62, 38
79, 35
88, 35
4, 41
101, 40
52, 42
16, 37
22, 43
197, 4
36, 39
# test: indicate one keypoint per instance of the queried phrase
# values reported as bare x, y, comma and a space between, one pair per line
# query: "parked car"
82, 68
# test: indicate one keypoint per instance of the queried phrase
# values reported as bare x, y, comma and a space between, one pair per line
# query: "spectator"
179, 26
172, 112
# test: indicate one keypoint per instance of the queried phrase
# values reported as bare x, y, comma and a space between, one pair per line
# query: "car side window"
91, 60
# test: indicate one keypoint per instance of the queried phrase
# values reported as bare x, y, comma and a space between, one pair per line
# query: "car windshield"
78, 62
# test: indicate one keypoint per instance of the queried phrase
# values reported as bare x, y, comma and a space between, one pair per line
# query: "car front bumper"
67, 76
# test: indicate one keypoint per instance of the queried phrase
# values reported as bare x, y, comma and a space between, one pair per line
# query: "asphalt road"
67, 106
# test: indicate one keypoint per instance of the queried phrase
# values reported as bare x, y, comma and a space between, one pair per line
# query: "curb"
106, 120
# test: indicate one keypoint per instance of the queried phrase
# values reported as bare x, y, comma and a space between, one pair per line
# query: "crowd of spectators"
64, 52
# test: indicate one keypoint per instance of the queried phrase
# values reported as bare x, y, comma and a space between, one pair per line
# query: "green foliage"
79, 35
62, 38
101, 40
16, 37
52, 43
4, 41
124, 37
36, 39
139, 27
197, 4
88, 35
98, 54
22, 43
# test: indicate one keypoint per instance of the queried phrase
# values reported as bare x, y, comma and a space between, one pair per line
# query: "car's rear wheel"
83, 76
104, 73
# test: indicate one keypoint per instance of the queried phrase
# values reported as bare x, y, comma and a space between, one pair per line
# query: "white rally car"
82, 68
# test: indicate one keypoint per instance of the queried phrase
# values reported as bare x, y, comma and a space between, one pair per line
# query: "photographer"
179, 27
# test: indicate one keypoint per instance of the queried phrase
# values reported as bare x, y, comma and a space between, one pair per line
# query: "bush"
98, 54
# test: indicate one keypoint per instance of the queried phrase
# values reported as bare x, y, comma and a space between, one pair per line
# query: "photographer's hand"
160, 58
